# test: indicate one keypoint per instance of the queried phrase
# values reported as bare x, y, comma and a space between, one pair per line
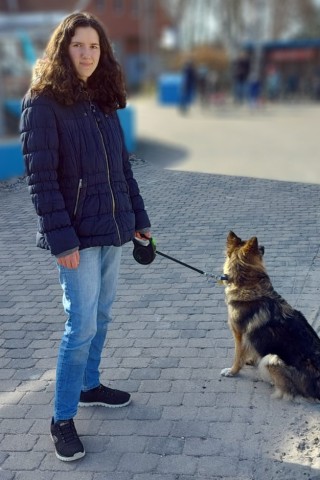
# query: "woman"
88, 204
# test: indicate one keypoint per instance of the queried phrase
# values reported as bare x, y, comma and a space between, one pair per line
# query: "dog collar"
223, 278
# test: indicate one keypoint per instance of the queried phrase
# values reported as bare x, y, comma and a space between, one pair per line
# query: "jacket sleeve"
40, 148
142, 219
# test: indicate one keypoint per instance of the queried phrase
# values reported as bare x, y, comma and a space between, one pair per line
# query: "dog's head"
244, 247
244, 258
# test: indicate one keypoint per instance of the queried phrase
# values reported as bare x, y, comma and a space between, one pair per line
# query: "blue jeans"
88, 295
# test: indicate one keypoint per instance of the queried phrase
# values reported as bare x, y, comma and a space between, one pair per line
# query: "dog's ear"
232, 238
251, 246
232, 242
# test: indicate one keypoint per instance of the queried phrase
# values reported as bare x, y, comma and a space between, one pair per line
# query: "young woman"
88, 204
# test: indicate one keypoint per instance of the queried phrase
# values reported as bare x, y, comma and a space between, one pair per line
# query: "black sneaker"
66, 441
104, 397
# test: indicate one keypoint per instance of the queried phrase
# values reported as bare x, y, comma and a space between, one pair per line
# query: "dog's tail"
289, 382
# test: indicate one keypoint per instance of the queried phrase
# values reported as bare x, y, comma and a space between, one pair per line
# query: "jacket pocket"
80, 197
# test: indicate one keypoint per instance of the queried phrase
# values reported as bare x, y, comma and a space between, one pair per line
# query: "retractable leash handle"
145, 251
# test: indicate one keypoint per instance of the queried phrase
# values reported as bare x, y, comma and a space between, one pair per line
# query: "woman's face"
84, 51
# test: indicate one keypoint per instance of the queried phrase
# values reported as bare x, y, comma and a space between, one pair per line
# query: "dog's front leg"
238, 357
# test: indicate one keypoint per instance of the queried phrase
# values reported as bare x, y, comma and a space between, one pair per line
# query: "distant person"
292, 86
240, 75
254, 89
316, 83
273, 83
88, 203
203, 85
189, 86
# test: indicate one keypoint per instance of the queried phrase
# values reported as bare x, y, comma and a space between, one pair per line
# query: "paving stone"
20, 443
23, 475
100, 462
21, 461
7, 475
138, 462
178, 464
73, 476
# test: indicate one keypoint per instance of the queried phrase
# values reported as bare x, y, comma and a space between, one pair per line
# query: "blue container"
13, 106
11, 161
127, 119
170, 88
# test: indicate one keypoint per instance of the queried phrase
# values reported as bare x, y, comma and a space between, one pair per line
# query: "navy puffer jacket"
79, 176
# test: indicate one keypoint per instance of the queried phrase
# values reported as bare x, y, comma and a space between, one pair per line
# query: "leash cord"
181, 263
216, 277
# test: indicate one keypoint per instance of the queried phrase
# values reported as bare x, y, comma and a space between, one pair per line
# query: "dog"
267, 331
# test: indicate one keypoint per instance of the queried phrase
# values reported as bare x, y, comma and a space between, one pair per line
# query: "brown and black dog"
266, 329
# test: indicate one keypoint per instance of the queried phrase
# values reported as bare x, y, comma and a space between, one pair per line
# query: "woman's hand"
70, 261
145, 235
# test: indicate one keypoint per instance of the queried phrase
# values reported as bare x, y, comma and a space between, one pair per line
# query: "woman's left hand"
141, 235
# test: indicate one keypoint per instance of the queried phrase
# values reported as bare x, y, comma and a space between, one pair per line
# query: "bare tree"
258, 21
309, 13
239, 21
175, 8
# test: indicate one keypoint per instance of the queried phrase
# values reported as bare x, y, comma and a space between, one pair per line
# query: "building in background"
136, 28
290, 69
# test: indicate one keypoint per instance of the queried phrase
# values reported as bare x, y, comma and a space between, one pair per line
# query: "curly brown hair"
54, 75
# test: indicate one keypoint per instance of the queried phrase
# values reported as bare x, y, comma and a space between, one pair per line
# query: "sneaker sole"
76, 456
101, 404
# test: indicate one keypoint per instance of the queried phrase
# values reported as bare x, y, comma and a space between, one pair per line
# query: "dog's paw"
226, 372
277, 394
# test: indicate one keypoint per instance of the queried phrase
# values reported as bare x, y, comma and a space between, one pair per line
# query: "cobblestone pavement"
167, 343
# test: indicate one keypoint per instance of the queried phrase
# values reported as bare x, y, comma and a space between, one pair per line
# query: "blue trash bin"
127, 119
170, 88
11, 160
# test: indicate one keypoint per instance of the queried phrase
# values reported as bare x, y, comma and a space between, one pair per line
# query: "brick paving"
168, 341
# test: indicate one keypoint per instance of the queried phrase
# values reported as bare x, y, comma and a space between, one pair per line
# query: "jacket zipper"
93, 109
78, 196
